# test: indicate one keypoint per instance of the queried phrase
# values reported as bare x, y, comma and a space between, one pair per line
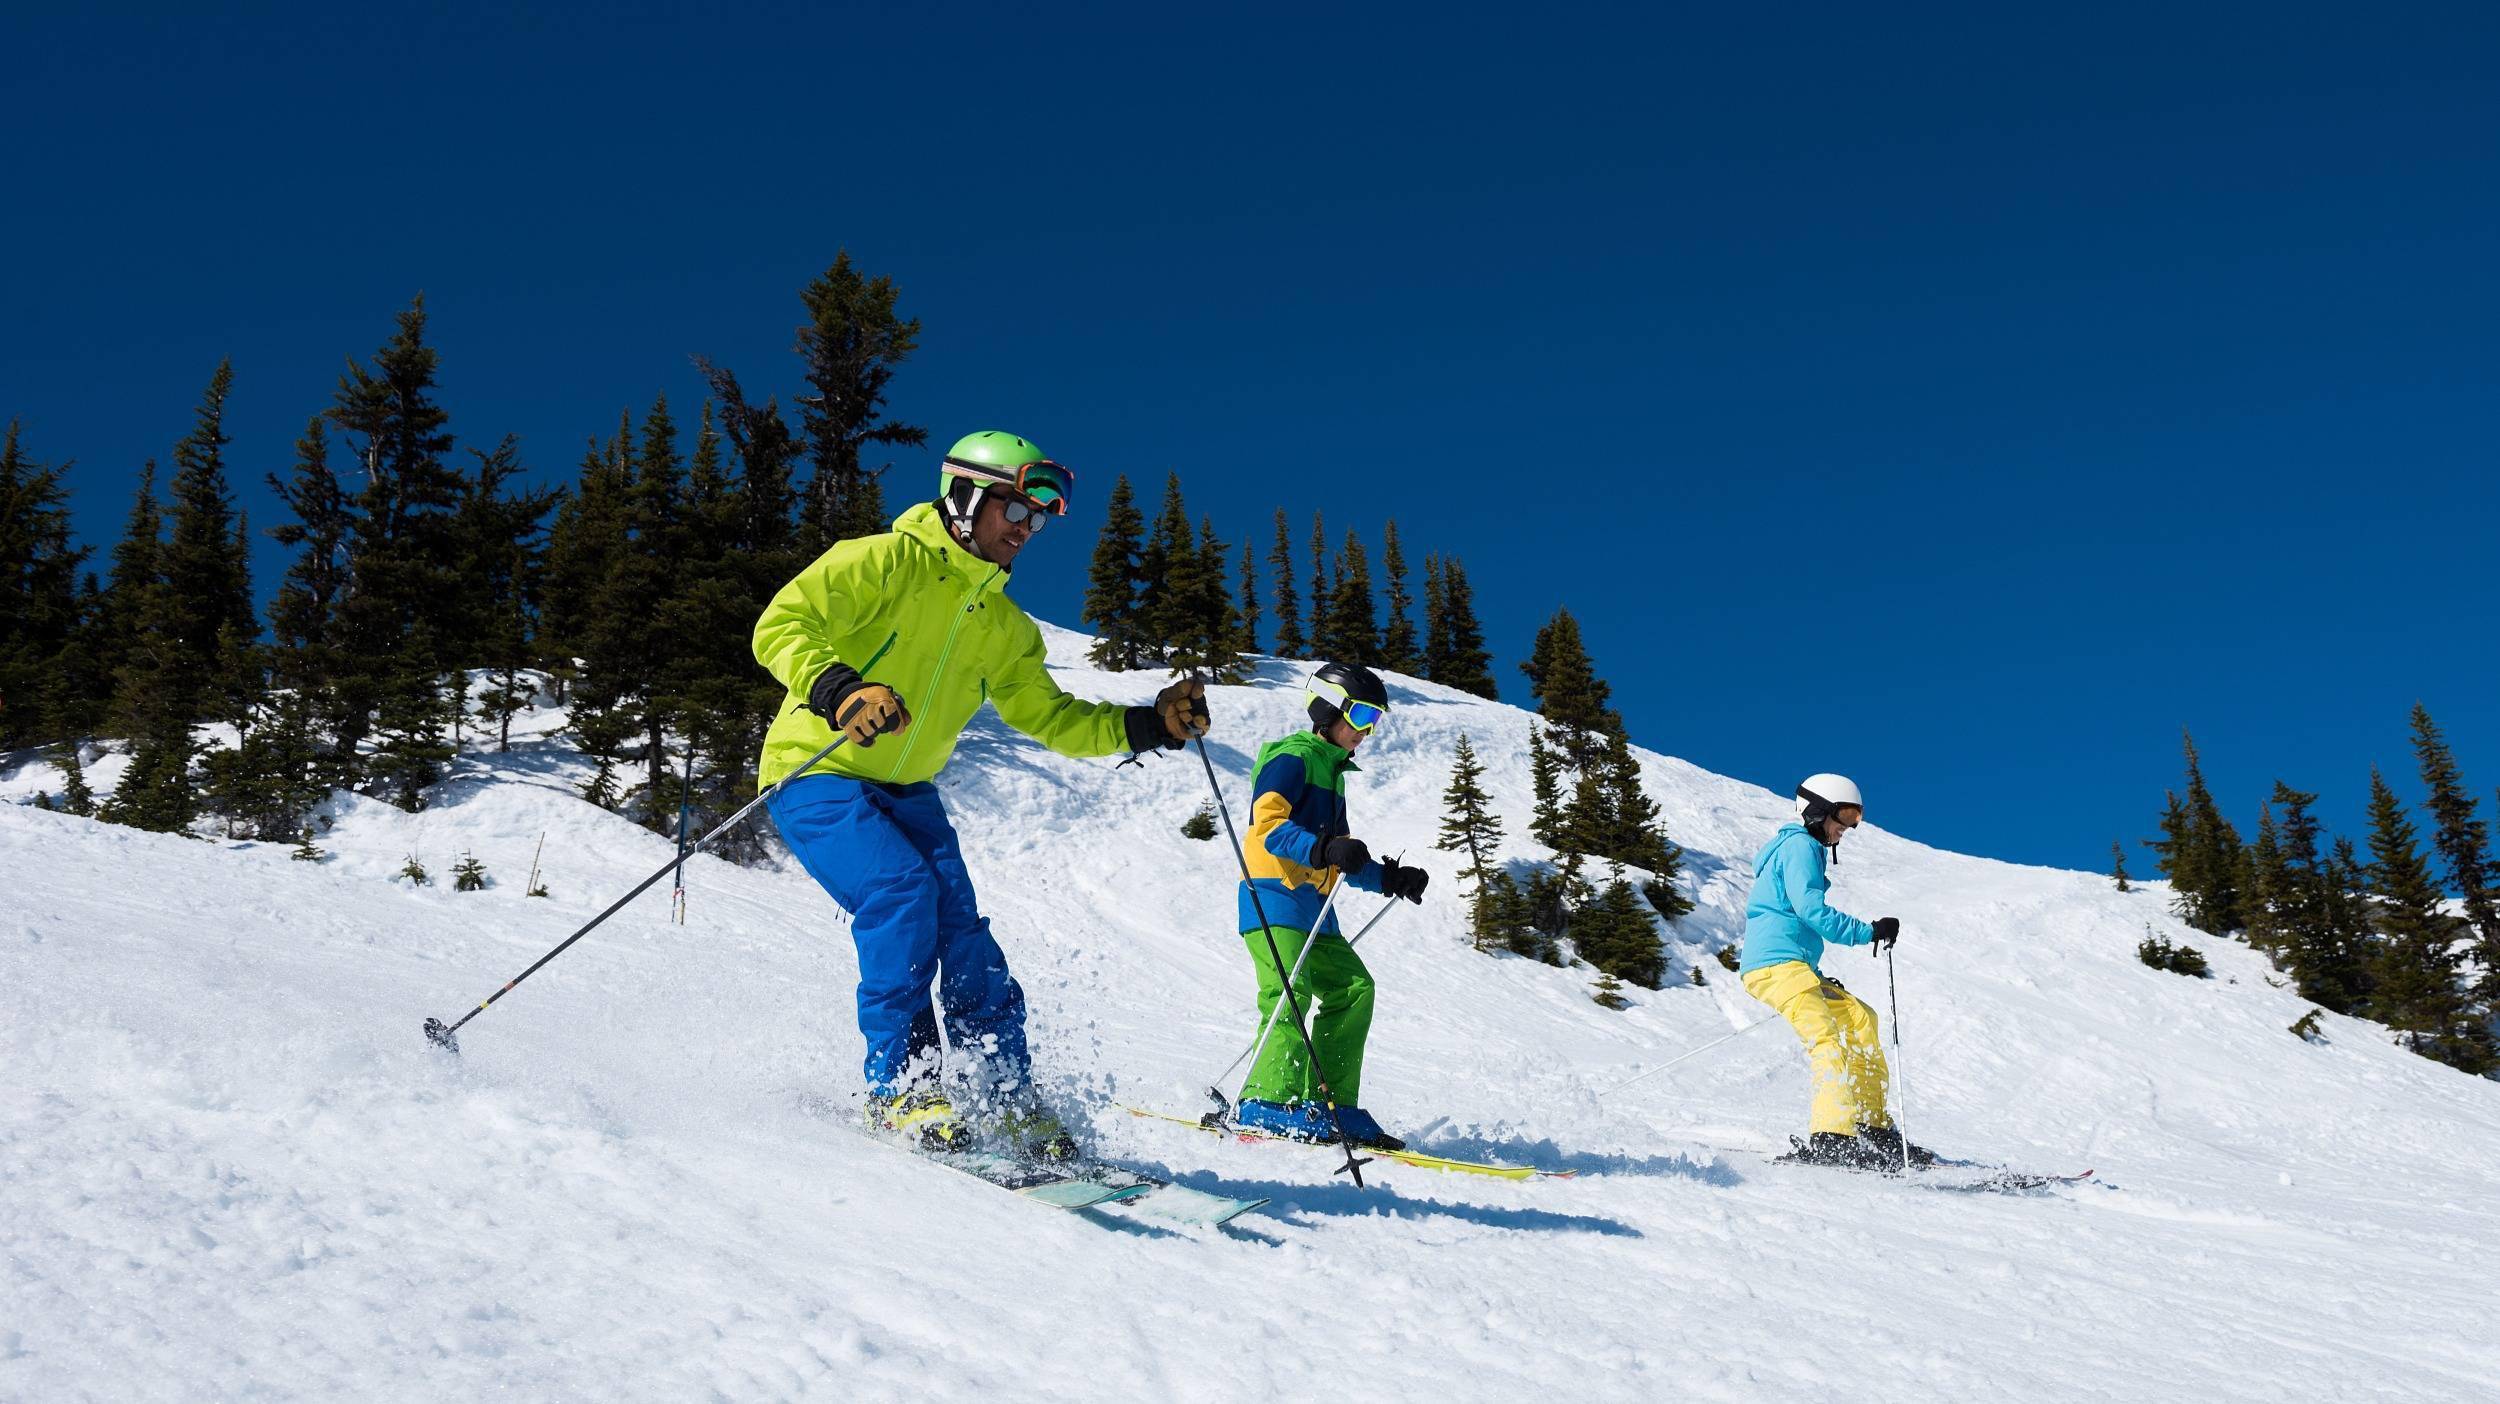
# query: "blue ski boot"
1296, 1121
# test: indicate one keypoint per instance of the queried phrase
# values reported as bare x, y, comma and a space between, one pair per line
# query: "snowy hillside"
231, 1166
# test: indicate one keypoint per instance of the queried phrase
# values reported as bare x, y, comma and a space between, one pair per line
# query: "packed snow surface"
231, 1166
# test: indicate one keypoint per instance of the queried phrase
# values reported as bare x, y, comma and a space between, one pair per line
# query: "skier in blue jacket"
1787, 925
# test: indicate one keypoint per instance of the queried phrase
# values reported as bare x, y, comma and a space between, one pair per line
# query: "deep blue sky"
1965, 403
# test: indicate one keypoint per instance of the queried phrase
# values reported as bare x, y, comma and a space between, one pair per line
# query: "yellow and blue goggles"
1362, 716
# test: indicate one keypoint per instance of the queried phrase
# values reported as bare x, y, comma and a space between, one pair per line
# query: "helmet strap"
957, 506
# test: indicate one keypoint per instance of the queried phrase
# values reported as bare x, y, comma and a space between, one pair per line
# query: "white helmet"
1819, 795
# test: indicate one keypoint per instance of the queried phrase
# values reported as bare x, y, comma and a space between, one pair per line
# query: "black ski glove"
1887, 931
1346, 855
1399, 880
1146, 732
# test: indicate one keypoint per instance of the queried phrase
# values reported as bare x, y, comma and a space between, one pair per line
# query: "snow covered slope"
231, 1166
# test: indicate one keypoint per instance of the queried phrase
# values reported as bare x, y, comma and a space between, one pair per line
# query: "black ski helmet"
1351, 682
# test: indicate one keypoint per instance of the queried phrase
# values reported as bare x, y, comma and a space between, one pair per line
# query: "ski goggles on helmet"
1043, 483
1362, 716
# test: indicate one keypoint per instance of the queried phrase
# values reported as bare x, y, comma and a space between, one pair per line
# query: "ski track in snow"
231, 1167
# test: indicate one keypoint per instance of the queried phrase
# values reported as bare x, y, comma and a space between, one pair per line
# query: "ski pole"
1276, 961
1695, 1053
1215, 1085
1900, 1080
441, 1034
685, 802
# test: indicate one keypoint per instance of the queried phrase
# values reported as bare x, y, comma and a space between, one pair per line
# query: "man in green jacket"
897, 640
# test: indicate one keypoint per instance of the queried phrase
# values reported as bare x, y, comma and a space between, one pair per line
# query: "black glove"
1146, 731
1399, 880
1887, 931
1346, 855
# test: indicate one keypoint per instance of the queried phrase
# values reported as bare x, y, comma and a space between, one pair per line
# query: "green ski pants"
1334, 980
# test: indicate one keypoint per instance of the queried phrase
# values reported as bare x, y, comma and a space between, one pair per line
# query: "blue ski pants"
889, 856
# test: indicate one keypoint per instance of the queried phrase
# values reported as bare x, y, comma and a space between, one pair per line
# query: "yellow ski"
1417, 1159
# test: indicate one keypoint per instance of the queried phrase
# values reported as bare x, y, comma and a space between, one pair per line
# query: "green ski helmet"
995, 458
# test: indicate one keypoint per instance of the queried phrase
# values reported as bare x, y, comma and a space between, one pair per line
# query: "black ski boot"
1889, 1148
1839, 1151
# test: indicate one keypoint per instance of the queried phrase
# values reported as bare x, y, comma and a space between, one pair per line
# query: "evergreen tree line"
1168, 598
431, 597
1607, 818
2373, 937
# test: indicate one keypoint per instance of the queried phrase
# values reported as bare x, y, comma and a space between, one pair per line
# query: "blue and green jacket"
1297, 804
1786, 917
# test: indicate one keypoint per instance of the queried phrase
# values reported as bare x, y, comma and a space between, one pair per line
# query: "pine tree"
750, 549
1545, 774
2325, 944
2213, 901
2462, 841
76, 797
305, 641
38, 596
1614, 932
1436, 608
205, 571
1247, 612
582, 627
155, 696
468, 875
1172, 591
2269, 882
851, 343
1501, 920
2118, 865
502, 557
2171, 851
1632, 834
1399, 651
1324, 643
1219, 623
403, 612
1201, 823
306, 851
2417, 992
1113, 582
767, 452
1470, 826
134, 573
658, 665
1608, 992
1357, 632
1290, 640
1569, 694
1455, 653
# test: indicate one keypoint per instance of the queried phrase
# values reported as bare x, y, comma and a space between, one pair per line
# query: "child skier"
1786, 926
1299, 849
924, 607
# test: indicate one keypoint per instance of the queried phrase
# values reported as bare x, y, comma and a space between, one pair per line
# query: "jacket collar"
923, 524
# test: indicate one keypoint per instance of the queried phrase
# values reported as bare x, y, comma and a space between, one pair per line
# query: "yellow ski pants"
1838, 1031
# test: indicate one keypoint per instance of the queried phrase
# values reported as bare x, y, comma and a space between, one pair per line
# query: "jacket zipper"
945, 651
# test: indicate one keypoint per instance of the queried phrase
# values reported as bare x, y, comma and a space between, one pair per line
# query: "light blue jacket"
1785, 915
